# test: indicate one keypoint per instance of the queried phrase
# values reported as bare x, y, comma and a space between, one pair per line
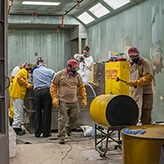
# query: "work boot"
19, 131
68, 130
61, 141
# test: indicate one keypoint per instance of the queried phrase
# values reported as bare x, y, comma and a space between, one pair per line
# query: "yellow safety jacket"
20, 84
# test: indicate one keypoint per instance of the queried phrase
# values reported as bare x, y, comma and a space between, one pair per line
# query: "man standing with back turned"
141, 75
66, 82
42, 77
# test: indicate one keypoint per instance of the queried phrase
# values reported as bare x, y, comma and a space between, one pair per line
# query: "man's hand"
84, 103
132, 83
55, 102
30, 86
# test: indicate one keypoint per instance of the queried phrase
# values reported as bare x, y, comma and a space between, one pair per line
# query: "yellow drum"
114, 110
143, 148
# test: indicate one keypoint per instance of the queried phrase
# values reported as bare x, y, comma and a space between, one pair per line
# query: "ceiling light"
99, 10
40, 3
85, 18
117, 3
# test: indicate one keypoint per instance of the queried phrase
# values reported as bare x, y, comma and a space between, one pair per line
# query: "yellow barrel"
142, 148
114, 110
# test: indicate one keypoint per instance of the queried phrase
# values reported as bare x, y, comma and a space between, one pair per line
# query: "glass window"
117, 3
99, 10
85, 18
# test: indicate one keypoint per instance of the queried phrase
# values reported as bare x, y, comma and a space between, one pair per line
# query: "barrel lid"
122, 110
152, 131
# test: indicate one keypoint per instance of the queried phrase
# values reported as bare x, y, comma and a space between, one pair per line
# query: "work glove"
22, 81
55, 102
82, 93
53, 93
84, 103
132, 83
145, 80
29, 86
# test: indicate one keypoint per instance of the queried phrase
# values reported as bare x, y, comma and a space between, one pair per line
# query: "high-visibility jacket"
20, 84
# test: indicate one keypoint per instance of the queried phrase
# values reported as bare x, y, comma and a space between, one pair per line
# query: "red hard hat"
73, 63
132, 51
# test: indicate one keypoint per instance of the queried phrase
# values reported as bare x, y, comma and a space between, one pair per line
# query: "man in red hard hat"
66, 82
141, 76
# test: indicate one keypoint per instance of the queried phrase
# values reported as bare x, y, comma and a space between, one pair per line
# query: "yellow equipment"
106, 74
112, 71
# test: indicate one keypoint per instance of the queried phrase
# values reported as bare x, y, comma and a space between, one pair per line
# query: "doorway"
4, 151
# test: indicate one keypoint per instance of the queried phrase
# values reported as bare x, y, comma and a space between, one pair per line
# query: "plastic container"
12, 142
113, 55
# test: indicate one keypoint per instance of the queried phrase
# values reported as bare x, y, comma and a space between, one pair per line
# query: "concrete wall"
141, 26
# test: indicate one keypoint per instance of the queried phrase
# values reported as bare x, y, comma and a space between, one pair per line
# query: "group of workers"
60, 89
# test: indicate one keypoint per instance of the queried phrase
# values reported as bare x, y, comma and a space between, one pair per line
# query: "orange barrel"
114, 110
142, 148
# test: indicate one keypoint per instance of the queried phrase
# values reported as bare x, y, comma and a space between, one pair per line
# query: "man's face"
37, 62
71, 68
134, 56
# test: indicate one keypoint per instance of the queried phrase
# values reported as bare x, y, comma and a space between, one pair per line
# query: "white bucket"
12, 142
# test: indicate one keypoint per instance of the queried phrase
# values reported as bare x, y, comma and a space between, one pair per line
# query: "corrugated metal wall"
141, 26
28, 45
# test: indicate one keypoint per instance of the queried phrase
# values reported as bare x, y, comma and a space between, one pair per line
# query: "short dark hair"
39, 59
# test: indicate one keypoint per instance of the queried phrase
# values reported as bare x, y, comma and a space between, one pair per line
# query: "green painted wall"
28, 36
24, 45
141, 26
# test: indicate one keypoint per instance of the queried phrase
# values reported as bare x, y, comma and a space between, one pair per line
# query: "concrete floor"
77, 150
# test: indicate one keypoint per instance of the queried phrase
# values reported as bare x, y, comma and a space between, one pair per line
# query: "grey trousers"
18, 112
67, 117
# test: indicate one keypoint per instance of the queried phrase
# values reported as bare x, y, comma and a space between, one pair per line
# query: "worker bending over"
141, 75
20, 85
64, 93
13, 74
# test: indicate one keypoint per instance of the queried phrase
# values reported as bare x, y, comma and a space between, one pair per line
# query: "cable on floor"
67, 152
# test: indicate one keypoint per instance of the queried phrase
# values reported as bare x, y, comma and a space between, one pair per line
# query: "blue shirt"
42, 77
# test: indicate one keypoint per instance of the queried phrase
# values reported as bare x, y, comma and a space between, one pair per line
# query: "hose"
93, 128
91, 88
